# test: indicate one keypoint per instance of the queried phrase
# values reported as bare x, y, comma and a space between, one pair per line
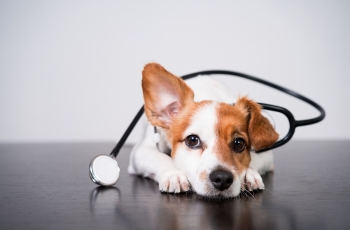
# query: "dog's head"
210, 141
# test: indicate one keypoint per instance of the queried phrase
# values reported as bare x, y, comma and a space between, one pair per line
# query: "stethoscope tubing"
292, 122
280, 88
125, 136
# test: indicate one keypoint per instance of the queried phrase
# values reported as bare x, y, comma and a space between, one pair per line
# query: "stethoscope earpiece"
104, 170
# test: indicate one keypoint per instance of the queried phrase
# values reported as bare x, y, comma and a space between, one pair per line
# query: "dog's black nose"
221, 179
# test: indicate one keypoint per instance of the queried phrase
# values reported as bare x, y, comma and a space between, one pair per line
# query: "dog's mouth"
217, 195
216, 188
213, 193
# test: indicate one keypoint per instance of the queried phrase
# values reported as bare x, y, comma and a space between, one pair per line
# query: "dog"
206, 144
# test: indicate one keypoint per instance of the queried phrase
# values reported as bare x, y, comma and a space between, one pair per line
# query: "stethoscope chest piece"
104, 170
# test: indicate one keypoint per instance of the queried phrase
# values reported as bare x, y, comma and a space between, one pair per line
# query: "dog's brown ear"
165, 95
261, 133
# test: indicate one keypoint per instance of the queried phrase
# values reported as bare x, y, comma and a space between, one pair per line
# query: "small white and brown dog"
208, 141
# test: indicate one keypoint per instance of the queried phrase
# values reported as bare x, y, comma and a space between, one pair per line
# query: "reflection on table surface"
181, 211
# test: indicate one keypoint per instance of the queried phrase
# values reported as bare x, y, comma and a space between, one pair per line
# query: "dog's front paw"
252, 181
174, 181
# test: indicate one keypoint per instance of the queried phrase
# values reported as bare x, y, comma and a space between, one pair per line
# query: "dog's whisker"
247, 195
269, 191
251, 195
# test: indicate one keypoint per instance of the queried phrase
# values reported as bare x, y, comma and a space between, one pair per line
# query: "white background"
71, 70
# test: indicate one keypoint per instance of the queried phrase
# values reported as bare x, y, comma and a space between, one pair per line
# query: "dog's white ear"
261, 133
165, 95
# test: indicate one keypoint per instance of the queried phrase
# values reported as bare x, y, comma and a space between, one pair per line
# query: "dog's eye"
238, 145
193, 141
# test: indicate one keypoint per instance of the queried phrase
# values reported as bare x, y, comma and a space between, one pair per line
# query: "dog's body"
209, 141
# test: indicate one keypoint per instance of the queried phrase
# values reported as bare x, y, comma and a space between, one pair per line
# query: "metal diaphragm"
104, 170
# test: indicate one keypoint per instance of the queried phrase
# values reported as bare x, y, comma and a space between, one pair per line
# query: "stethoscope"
104, 169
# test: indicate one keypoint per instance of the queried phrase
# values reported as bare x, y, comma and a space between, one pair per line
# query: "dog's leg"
260, 164
146, 160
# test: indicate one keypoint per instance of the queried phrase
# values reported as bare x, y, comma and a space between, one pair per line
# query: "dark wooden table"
47, 186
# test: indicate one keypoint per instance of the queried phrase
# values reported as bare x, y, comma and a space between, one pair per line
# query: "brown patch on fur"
180, 124
203, 176
157, 80
244, 120
261, 133
232, 124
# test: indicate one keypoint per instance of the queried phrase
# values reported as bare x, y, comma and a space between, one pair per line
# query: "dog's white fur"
186, 170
